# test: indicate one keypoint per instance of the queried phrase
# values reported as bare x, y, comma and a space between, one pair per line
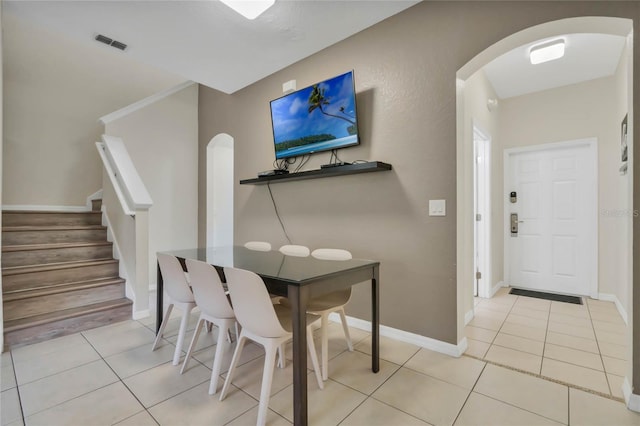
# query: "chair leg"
194, 340
165, 320
267, 378
282, 361
183, 330
324, 336
347, 336
314, 357
232, 368
217, 358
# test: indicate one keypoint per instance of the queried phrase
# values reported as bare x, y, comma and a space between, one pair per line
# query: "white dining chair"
294, 250
258, 245
266, 324
180, 296
326, 304
214, 308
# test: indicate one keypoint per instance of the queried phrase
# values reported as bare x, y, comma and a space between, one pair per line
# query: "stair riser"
96, 205
32, 306
64, 327
63, 236
44, 278
55, 255
50, 219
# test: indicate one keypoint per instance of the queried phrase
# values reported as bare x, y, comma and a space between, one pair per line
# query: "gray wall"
405, 70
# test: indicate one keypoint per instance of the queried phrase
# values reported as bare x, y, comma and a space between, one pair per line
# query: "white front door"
554, 247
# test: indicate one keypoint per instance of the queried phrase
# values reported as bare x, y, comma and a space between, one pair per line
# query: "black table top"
273, 264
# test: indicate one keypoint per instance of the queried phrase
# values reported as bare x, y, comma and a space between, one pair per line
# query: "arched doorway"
466, 158
220, 191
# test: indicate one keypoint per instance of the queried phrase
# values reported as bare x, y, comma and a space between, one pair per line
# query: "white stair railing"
128, 225
126, 181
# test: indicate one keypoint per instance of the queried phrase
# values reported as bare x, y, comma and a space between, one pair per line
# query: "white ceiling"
205, 41
587, 57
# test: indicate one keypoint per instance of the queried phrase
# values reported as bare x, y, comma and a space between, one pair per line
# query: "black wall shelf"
351, 169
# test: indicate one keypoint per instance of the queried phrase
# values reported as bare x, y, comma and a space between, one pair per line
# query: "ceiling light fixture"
547, 51
250, 9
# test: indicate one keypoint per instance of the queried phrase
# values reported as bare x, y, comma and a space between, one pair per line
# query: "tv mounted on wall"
320, 117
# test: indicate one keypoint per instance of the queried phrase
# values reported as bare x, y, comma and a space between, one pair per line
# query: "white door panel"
554, 249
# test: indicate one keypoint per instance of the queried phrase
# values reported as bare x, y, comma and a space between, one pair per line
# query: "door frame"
592, 145
482, 249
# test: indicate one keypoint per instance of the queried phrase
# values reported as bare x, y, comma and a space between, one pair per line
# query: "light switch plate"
437, 208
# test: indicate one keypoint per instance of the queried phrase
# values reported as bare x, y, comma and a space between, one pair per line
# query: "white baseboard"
631, 399
496, 287
43, 208
613, 298
468, 316
405, 336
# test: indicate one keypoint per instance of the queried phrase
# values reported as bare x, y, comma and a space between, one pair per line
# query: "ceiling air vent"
111, 42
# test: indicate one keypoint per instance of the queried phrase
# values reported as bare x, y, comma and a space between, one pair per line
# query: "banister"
126, 181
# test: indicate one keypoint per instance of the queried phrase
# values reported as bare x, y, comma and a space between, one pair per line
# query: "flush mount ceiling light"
250, 9
547, 51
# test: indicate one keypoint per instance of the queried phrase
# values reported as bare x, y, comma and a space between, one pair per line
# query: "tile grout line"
549, 379
470, 392
370, 396
546, 333
121, 380
51, 375
544, 351
604, 369
15, 377
569, 385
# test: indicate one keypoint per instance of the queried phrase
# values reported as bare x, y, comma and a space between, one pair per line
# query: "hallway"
585, 346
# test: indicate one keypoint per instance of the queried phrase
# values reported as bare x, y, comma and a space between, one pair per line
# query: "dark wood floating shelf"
351, 169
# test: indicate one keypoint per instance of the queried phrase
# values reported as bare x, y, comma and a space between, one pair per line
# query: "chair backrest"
258, 245
331, 254
252, 303
175, 282
208, 291
294, 250
340, 296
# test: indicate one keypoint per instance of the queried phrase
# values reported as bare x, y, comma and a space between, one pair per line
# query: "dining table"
299, 279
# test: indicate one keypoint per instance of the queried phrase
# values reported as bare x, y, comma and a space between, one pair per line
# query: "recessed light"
250, 9
547, 51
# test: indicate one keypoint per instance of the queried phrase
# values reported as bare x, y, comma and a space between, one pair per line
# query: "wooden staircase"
58, 276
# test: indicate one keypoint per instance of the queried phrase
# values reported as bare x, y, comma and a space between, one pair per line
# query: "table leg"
159, 302
299, 296
375, 320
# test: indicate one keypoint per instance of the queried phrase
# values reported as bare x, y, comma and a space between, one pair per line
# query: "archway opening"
220, 154
480, 107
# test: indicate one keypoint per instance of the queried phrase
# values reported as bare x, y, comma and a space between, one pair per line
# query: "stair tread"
12, 270
46, 246
18, 324
23, 293
19, 228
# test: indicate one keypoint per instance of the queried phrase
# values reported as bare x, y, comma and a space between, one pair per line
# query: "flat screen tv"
320, 117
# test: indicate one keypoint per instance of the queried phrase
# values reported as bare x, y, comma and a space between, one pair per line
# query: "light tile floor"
585, 346
110, 376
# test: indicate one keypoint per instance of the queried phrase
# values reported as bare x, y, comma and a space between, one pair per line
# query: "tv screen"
317, 118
